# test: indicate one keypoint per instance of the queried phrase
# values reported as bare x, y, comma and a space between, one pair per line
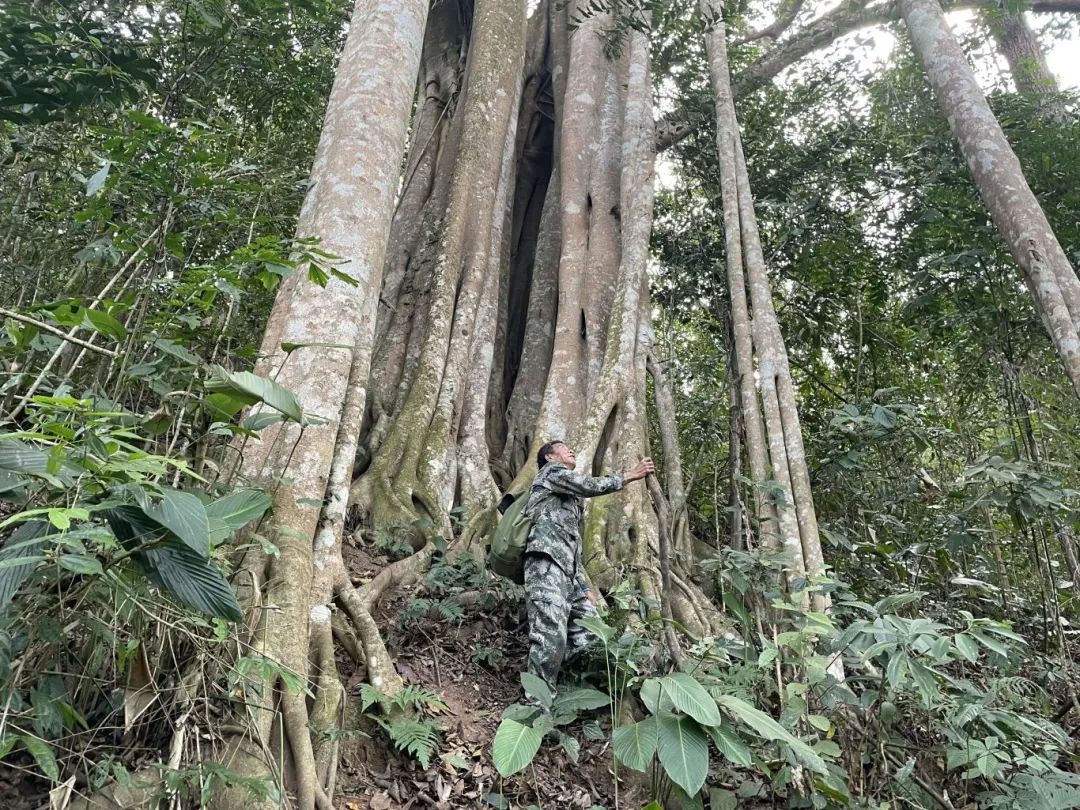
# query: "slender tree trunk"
773, 433
1021, 48
997, 173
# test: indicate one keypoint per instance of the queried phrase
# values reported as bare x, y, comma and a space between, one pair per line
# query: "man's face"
563, 454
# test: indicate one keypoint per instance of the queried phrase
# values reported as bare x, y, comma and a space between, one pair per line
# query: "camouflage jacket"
556, 506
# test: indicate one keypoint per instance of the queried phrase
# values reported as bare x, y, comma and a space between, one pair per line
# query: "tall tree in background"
1046, 269
1021, 48
774, 443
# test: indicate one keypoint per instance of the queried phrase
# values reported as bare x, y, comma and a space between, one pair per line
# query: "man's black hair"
545, 450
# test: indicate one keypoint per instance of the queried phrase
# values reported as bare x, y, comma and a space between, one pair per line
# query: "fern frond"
418, 738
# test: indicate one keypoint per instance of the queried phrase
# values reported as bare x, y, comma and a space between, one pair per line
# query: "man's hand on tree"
640, 470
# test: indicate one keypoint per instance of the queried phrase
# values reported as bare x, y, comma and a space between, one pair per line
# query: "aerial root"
479, 528
345, 636
357, 604
328, 710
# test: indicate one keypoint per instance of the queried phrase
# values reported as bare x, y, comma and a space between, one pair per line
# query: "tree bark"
349, 208
1020, 46
1000, 180
773, 433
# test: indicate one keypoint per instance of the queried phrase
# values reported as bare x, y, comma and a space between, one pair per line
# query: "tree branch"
846, 18
60, 333
784, 18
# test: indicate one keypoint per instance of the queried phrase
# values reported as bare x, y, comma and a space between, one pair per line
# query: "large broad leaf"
728, 743
768, 728
579, 700
650, 695
171, 565
234, 511
193, 580
683, 749
184, 515
690, 697
635, 744
599, 628
514, 746
250, 388
23, 544
536, 688
22, 458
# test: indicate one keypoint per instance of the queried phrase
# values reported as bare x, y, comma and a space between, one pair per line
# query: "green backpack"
507, 548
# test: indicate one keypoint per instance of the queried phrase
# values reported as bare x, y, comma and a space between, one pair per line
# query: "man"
556, 592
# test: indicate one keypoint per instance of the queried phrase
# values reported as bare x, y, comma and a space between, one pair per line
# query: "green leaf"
730, 744
80, 563
650, 694
180, 352
768, 728
577, 700
571, 746
43, 756
536, 688
59, 518
966, 646
235, 511
172, 565
635, 744
20, 551
21, 457
924, 679
683, 750
250, 388
104, 323
896, 671
598, 628
884, 417
514, 747
735, 605
184, 515
225, 407
257, 421
191, 578
690, 697
97, 179
990, 643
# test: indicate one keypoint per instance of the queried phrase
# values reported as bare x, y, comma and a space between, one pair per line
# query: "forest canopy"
293, 292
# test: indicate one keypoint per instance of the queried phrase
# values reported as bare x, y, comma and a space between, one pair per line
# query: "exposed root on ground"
357, 604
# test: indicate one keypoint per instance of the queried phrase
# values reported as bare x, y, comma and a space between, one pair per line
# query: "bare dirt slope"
472, 662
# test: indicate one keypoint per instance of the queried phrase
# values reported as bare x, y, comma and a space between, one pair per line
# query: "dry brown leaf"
442, 790
60, 796
140, 691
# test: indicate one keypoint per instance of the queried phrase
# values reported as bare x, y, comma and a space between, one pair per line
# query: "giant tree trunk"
516, 298
997, 173
766, 393
349, 208
515, 309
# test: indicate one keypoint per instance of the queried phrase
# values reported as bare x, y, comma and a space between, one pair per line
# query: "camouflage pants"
554, 601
